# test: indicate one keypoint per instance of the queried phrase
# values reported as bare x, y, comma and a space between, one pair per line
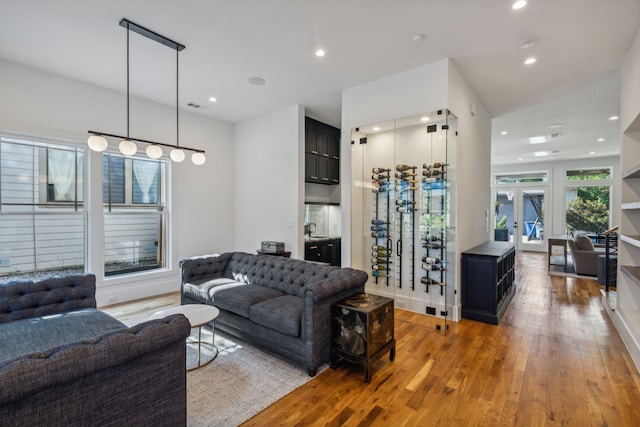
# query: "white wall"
41, 104
268, 181
421, 90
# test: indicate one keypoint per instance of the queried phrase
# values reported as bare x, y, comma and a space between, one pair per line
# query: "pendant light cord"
177, 104
128, 31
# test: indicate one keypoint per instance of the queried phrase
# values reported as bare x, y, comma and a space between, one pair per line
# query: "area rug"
239, 383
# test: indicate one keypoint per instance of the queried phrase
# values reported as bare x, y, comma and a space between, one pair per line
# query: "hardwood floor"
555, 359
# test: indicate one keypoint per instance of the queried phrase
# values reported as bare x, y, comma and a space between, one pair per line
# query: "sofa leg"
313, 372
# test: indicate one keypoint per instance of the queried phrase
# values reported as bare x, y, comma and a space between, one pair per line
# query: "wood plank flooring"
555, 359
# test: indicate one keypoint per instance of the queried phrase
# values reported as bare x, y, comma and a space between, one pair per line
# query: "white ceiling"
580, 46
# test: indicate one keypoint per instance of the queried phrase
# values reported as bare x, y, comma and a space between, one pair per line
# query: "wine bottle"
377, 260
379, 248
402, 168
404, 175
407, 188
430, 238
430, 281
378, 228
380, 170
379, 267
432, 172
379, 235
404, 209
379, 221
431, 245
435, 165
405, 202
432, 267
430, 260
406, 182
377, 273
379, 189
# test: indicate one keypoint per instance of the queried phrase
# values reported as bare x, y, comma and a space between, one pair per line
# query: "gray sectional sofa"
65, 363
279, 304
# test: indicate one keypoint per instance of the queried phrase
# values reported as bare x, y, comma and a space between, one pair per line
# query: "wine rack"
380, 224
434, 213
406, 185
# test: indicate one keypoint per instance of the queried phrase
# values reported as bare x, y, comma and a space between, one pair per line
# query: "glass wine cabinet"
403, 174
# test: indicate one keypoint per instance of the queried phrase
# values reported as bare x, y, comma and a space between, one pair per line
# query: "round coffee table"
198, 316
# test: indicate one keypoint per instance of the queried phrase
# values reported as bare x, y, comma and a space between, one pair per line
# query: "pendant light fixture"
98, 142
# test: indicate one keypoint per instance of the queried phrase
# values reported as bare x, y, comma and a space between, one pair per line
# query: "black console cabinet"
488, 281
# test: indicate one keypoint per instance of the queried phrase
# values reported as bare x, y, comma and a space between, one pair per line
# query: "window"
515, 178
42, 219
587, 200
135, 214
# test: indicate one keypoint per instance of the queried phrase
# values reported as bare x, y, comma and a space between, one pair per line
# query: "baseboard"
626, 333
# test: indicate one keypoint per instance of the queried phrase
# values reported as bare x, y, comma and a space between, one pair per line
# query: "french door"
521, 212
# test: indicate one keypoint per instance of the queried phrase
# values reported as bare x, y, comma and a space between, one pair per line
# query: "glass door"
519, 217
401, 211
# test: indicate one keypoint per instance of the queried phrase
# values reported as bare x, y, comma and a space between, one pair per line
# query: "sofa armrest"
29, 374
199, 267
337, 282
26, 298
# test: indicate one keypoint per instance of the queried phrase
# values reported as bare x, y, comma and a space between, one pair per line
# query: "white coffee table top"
196, 314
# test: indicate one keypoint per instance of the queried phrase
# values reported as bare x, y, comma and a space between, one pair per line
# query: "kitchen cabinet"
323, 250
322, 153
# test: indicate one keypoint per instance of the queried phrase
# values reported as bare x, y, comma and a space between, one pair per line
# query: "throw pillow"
584, 243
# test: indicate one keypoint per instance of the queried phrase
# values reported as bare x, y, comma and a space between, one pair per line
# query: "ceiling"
580, 46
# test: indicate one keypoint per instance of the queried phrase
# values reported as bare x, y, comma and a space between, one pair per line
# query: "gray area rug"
239, 383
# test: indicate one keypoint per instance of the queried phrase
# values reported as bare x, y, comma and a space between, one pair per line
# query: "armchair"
585, 255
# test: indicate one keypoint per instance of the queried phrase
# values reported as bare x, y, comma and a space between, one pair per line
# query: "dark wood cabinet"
322, 153
362, 330
328, 251
487, 281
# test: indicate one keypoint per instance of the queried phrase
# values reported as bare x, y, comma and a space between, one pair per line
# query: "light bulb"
154, 151
98, 143
198, 158
177, 155
128, 148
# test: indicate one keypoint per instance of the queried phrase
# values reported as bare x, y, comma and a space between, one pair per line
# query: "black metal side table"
362, 330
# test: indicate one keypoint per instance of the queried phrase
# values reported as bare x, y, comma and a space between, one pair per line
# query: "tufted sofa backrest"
291, 276
26, 298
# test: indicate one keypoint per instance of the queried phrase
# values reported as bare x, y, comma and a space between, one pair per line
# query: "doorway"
519, 217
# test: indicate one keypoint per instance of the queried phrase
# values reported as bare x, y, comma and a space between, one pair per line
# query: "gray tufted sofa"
65, 363
282, 305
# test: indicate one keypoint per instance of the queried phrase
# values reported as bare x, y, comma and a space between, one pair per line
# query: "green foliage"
589, 215
502, 222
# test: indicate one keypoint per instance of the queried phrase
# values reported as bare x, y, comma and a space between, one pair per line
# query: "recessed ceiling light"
257, 81
537, 140
526, 43
600, 139
320, 53
612, 118
530, 61
541, 153
504, 132
424, 119
519, 4
520, 159
376, 128
419, 37
212, 99
592, 152
555, 126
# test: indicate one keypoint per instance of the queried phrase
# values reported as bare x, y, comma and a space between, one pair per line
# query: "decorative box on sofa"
63, 362
282, 305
